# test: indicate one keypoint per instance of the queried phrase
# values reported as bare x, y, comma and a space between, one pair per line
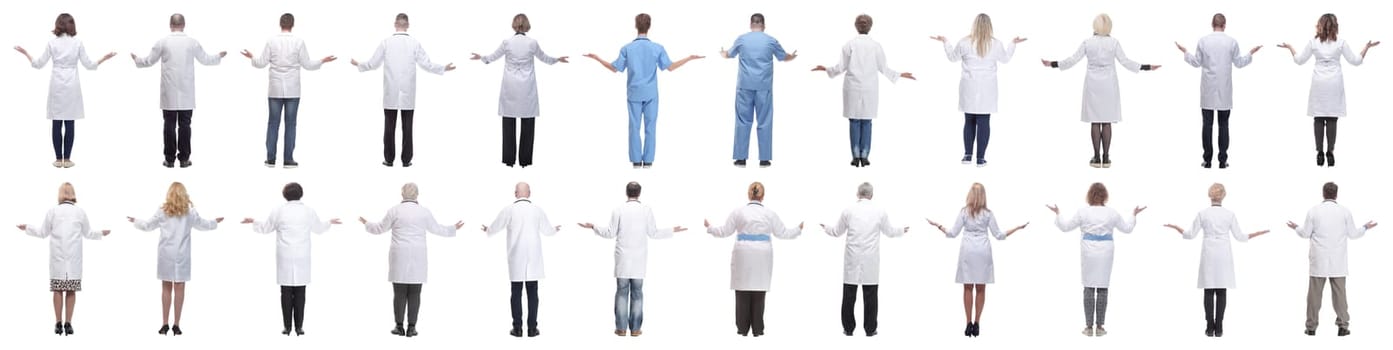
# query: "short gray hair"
409, 191
176, 20
865, 190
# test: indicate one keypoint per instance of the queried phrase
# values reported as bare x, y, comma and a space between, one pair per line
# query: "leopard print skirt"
65, 285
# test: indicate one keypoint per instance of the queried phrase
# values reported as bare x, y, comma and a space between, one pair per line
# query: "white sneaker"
1100, 332
1088, 331
981, 163
57, 164
68, 164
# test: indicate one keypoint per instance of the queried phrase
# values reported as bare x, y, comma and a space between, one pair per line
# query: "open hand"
1018, 40
678, 229
247, 54
1370, 225
939, 38
328, 59
1181, 47
1053, 208
475, 57
23, 227
820, 69
586, 225
1138, 210
130, 219
564, 59
1291, 225
459, 224
248, 221
218, 220
106, 232
335, 222
362, 220
908, 75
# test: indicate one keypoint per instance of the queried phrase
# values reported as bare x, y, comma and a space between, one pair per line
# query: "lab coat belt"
1101, 237
752, 237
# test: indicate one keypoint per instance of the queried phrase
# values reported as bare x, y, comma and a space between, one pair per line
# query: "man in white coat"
177, 53
525, 223
292, 222
631, 225
1329, 226
862, 223
752, 258
401, 54
286, 54
1217, 54
409, 223
861, 59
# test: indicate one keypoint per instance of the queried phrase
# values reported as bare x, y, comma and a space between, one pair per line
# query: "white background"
1038, 155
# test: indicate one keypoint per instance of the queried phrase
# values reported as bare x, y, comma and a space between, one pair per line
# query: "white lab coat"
1102, 98
64, 89
1327, 98
975, 265
977, 90
175, 263
1216, 256
1096, 256
861, 59
862, 223
1330, 226
292, 223
177, 53
286, 54
631, 225
526, 224
65, 226
409, 223
401, 54
518, 96
1217, 54
752, 262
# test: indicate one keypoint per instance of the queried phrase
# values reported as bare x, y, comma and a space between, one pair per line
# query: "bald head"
176, 22
522, 190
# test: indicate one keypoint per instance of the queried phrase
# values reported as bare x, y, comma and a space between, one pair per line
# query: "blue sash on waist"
752, 237
1093, 237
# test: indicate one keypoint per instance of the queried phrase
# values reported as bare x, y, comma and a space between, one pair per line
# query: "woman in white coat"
979, 53
752, 260
861, 59
1216, 257
1097, 224
409, 223
1327, 98
176, 220
64, 89
517, 100
975, 267
1102, 98
65, 226
292, 223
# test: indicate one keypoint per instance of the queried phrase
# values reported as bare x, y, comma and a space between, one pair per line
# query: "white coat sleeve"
1069, 224
1125, 224
265, 57
1304, 231
1008, 53
42, 60
653, 230
1072, 60
388, 221
839, 228
86, 229
1353, 58
888, 229
993, 228
268, 225
609, 232
951, 50
84, 59
423, 61
41, 231
318, 226
1238, 234
152, 223
778, 229
203, 57
547, 229
1241, 58
1305, 54
376, 60
1196, 227
1122, 59
305, 60
497, 53
542, 56
834, 71
885, 70
728, 228
202, 224
438, 229
958, 224
156, 52
1355, 230
501, 222
1193, 58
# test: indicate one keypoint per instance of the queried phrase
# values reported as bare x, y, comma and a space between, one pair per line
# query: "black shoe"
67, 329
411, 331
1330, 158
856, 162
408, 165
1107, 163
1095, 162
176, 330
58, 328
299, 332
871, 334
185, 164
739, 163
168, 164
510, 165
1320, 158
1206, 165
290, 164
1223, 165
285, 332
759, 334
269, 163
647, 165
533, 333
1342, 332
515, 333
847, 333
967, 332
1209, 329
636, 165
976, 329
967, 159
399, 331
743, 334
164, 330
865, 162
387, 164
1311, 332
1219, 328
764, 164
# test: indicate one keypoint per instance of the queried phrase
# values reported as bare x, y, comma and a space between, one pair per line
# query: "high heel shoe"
1330, 158
976, 329
164, 330
299, 332
1320, 158
1209, 329
285, 332
58, 328
967, 332
176, 330
67, 328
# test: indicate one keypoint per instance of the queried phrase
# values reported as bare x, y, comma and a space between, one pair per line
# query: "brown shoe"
619, 332
635, 333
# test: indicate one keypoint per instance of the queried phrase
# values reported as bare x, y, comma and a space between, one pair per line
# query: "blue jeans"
749, 106
860, 138
63, 142
978, 127
291, 106
628, 304
645, 114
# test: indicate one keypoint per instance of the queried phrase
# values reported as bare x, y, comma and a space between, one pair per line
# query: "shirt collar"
412, 201
523, 199
67, 202
520, 33
641, 37
634, 201
1331, 201
756, 203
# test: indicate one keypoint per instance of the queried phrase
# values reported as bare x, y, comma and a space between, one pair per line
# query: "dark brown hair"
65, 25
863, 24
293, 191
287, 21
1097, 194
1330, 191
1219, 21
642, 22
1327, 29
757, 18
633, 189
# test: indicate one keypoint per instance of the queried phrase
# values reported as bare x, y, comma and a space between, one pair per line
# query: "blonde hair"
66, 194
1097, 194
976, 200
1217, 192
521, 24
176, 201
756, 191
982, 34
1102, 25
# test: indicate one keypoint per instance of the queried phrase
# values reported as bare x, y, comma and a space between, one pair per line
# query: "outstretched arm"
607, 65
683, 61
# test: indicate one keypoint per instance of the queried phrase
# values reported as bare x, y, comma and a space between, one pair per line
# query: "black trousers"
1208, 135
176, 135
749, 312
406, 302
389, 135
515, 150
1215, 300
516, 303
1325, 130
293, 306
871, 304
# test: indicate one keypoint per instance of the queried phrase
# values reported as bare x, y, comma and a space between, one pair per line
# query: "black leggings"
293, 306
1101, 133
406, 296
1215, 299
516, 304
1325, 133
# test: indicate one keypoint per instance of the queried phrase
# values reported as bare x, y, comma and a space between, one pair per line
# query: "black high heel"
976, 329
967, 332
58, 328
164, 330
67, 328
176, 330
299, 332
1320, 158
1330, 158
